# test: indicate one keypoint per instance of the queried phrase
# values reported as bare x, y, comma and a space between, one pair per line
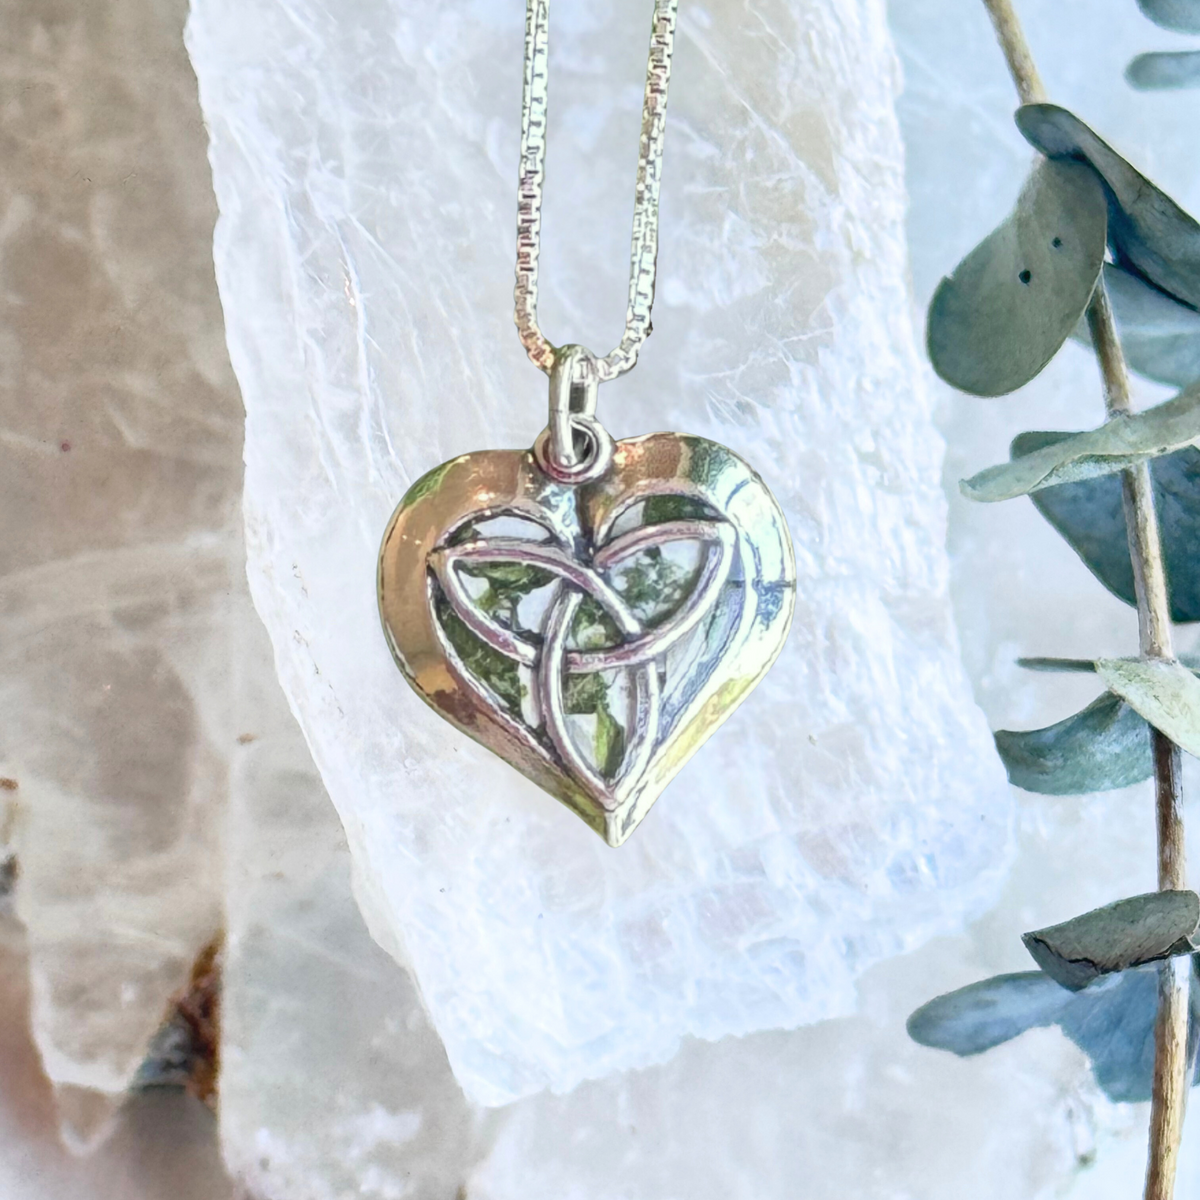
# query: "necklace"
589, 610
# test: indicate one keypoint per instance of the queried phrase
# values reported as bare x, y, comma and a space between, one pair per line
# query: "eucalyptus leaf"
1180, 15
986, 1014
1088, 665
1090, 515
1162, 70
1012, 302
1167, 694
1112, 1022
1120, 442
1147, 231
1105, 746
1076, 665
1160, 336
1130, 933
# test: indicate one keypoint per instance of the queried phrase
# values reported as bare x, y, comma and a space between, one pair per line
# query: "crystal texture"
364, 161
162, 1145
847, 1107
120, 432
333, 1083
335, 1086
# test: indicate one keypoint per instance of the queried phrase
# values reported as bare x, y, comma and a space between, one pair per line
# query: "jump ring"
574, 382
588, 465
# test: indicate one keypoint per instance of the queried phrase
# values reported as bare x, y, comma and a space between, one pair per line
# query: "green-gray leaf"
1112, 1022
1147, 231
1118, 443
1012, 302
1160, 336
1162, 71
1180, 15
1129, 933
1090, 515
1167, 694
985, 1014
1085, 666
1105, 746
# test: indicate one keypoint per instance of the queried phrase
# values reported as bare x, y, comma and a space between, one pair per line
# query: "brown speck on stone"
200, 1007
9, 874
186, 1051
64, 446
8, 785
244, 739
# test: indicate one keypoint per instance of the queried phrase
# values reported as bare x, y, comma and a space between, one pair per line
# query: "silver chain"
644, 249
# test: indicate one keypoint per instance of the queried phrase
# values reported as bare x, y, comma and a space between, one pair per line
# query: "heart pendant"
593, 634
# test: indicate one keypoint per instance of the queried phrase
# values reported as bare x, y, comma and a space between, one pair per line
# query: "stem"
1012, 41
1169, 1095
1141, 517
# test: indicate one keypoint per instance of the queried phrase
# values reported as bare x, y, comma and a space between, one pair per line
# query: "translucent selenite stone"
364, 160
162, 1145
119, 756
334, 1085
119, 479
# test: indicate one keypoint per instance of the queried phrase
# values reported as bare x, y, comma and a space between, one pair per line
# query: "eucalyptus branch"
1169, 1095
1017, 54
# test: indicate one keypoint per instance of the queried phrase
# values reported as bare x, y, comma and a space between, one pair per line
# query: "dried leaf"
1160, 336
1163, 71
1147, 231
1118, 443
1105, 746
1129, 933
186, 1050
1091, 517
1180, 15
1167, 694
1112, 1022
1012, 302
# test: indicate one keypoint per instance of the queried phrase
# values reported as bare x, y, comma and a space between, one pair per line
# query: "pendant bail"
574, 447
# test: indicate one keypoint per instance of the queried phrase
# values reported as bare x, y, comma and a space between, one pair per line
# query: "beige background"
119, 430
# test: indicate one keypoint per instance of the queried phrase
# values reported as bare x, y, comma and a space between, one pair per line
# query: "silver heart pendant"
592, 632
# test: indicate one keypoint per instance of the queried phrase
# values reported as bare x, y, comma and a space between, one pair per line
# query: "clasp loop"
574, 447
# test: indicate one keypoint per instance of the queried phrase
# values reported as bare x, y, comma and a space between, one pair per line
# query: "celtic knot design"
551, 660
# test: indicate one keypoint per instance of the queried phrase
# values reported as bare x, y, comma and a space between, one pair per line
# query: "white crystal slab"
334, 1085
364, 160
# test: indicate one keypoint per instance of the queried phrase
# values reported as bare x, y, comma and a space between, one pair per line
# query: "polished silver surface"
592, 634
544, 601
574, 447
